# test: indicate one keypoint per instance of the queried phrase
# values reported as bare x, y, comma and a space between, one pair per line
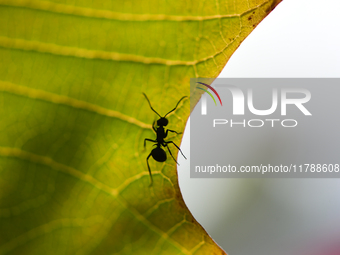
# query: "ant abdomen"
158, 154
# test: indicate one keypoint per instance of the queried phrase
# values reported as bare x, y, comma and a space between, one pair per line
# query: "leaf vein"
64, 100
46, 228
21, 44
111, 15
43, 160
18, 153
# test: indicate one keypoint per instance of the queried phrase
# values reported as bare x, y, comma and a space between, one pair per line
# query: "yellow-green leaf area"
73, 172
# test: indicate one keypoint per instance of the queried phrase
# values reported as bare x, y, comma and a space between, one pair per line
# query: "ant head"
162, 122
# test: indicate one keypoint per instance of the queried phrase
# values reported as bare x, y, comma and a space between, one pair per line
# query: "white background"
300, 38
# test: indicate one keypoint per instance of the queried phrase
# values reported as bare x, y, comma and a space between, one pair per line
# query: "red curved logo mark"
208, 86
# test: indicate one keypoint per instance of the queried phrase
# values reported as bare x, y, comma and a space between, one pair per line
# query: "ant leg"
178, 133
176, 147
171, 154
146, 139
169, 130
153, 127
147, 162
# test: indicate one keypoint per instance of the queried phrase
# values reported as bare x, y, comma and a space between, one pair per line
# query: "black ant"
158, 153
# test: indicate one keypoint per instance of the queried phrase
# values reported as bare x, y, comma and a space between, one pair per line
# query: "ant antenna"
175, 106
151, 106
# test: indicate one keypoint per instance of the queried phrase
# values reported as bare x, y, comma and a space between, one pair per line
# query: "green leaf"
73, 173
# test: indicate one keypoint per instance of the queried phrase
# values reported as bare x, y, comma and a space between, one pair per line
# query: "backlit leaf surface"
73, 174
